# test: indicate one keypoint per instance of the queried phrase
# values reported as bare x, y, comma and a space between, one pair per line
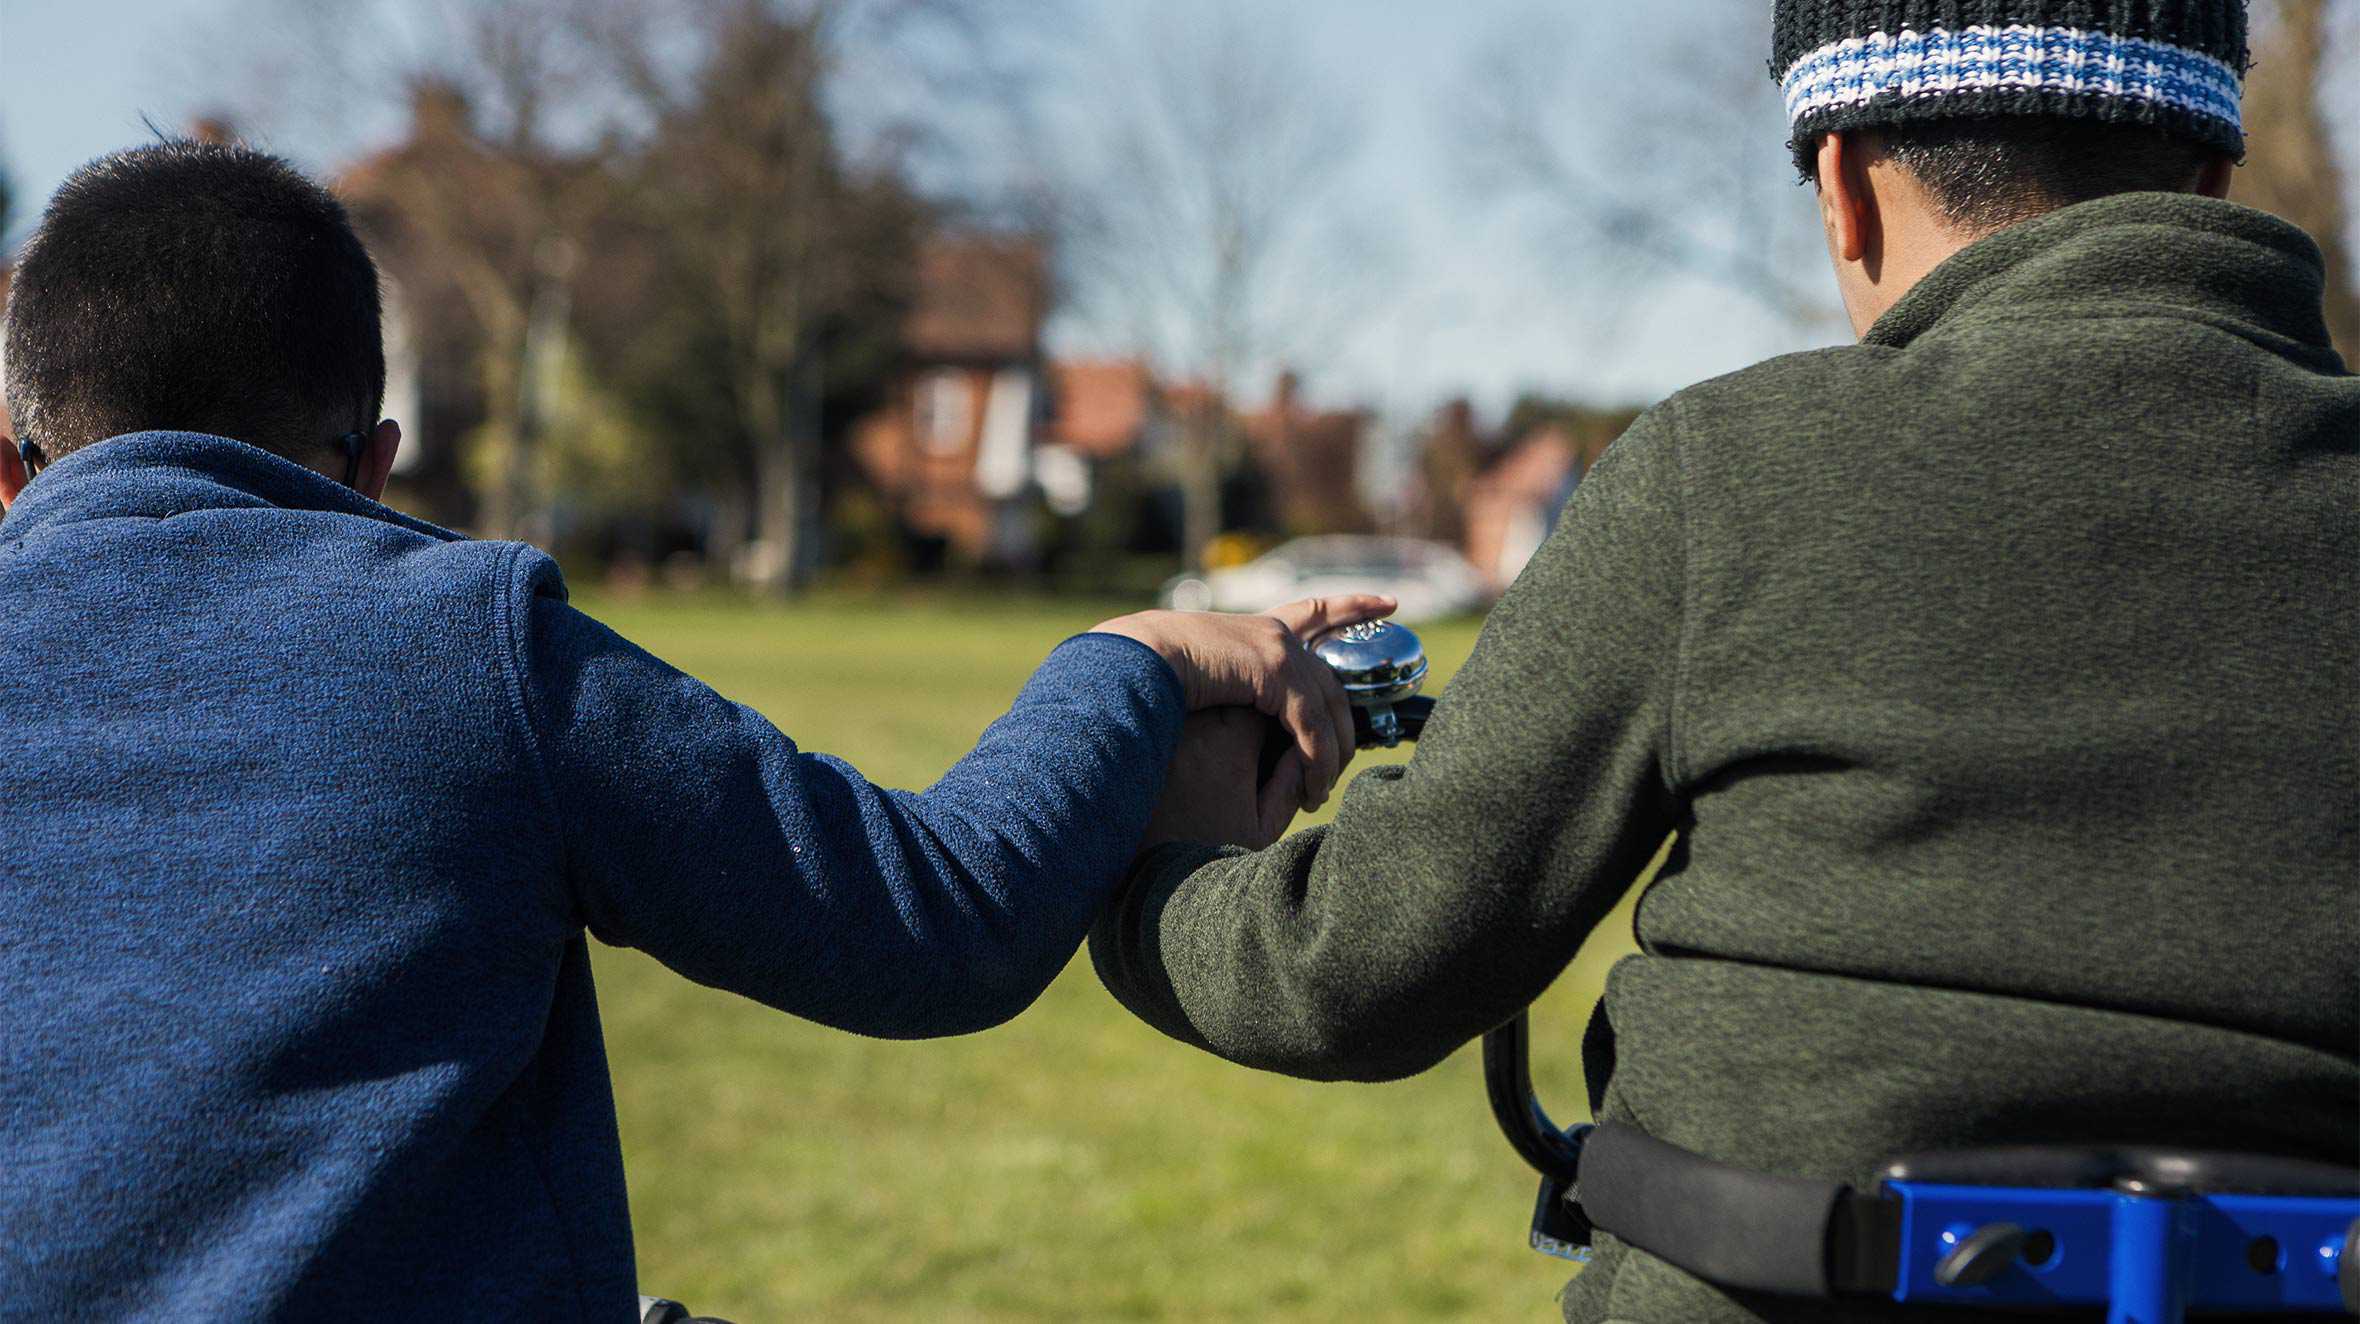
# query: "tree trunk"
520, 358
2291, 167
539, 354
725, 539
520, 498
778, 514
780, 475
505, 381
1200, 490
807, 524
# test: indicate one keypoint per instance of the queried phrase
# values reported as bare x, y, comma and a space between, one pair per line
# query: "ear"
2213, 181
385, 441
12, 472
1847, 205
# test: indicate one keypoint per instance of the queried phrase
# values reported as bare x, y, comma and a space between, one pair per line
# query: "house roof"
1312, 455
1100, 406
1190, 399
438, 116
979, 297
1289, 431
1533, 469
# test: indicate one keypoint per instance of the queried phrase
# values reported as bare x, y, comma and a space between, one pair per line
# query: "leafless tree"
1684, 174
1200, 217
490, 192
1665, 160
2306, 55
742, 169
706, 131
782, 220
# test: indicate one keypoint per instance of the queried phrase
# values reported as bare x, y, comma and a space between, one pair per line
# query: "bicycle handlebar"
1382, 665
1516, 1106
1407, 718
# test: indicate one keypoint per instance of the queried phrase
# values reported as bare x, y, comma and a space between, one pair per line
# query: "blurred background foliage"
1057, 293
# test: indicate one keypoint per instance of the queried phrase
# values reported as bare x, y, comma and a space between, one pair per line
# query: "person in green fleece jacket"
1994, 678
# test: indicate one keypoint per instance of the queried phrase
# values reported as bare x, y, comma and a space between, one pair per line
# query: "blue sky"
1475, 296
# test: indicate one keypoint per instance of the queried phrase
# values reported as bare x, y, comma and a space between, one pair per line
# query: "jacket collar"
153, 475
2169, 254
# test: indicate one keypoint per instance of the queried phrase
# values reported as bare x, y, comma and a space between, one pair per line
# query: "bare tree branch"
2302, 55
1201, 207
1669, 164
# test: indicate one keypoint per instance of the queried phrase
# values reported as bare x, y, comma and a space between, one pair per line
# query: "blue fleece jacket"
309, 806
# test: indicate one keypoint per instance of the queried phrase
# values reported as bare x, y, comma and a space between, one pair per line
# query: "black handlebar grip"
1409, 717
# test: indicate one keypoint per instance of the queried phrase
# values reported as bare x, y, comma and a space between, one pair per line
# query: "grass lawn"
1072, 1164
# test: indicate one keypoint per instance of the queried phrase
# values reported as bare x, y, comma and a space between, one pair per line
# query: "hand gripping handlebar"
1382, 666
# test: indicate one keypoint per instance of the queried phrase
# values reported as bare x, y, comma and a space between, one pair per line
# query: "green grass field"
1072, 1165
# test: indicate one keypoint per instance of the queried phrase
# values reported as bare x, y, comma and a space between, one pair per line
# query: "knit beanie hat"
2174, 65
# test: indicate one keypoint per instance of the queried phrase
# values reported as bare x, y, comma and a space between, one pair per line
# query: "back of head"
2005, 109
199, 287
1989, 173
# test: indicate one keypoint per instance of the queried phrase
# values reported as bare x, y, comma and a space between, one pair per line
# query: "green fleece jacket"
1998, 676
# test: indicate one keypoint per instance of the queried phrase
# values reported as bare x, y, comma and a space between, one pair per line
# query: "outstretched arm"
697, 831
1451, 890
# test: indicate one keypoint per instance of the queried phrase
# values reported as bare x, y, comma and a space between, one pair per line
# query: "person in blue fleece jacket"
311, 804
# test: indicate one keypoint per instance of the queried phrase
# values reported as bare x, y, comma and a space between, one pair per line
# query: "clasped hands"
1250, 681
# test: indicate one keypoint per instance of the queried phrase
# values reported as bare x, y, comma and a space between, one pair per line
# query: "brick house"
978, 429
1101, 412
1512, 499
1301, 464
433, 341
1452, 451
951, 450
1310, 461
1511, 505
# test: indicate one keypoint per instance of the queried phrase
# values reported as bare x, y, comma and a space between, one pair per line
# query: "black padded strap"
1725, 1224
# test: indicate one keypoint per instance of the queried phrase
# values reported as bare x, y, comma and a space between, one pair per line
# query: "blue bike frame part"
2147, 1269
2148, 1257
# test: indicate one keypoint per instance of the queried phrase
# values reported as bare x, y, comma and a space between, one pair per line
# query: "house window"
1003, 458
946, 405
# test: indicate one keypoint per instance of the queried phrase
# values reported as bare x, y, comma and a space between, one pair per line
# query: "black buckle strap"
1864, 1244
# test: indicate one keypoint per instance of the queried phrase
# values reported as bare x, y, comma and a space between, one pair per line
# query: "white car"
1429, 579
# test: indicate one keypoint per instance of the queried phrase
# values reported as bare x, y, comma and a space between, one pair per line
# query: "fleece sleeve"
695, 830
1449, 891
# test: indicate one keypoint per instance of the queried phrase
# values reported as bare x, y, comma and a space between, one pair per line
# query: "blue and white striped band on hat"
2014, 64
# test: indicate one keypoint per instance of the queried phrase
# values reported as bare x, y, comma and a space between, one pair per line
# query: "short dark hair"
1989, 172
195, 286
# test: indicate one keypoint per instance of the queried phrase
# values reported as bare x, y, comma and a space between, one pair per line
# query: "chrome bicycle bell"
1380, 664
